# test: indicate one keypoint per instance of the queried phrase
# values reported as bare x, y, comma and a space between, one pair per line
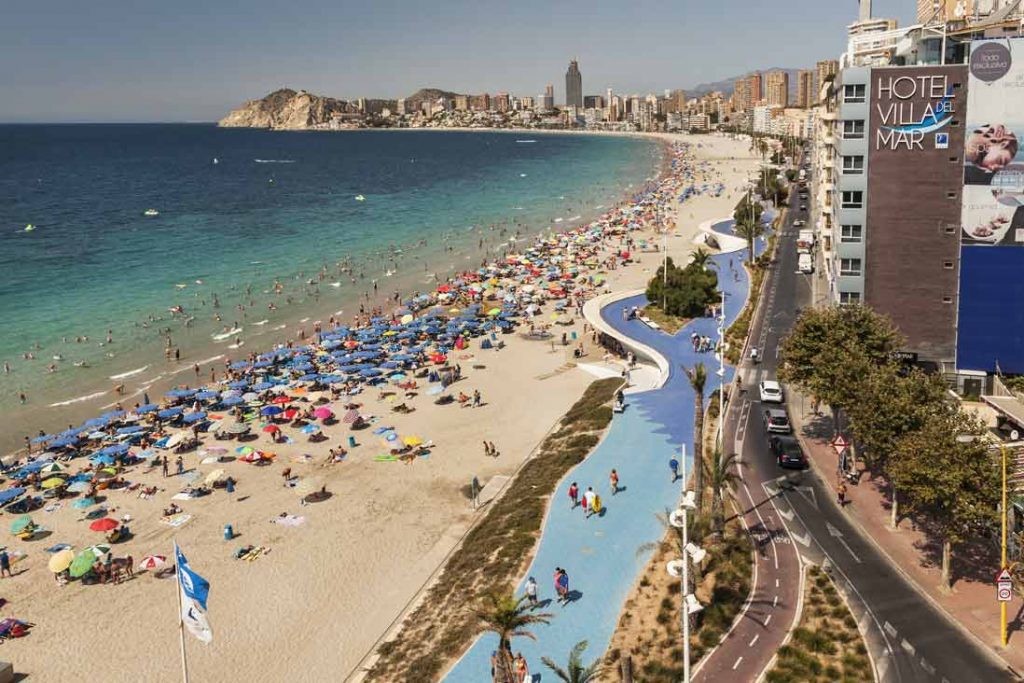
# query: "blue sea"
281, 229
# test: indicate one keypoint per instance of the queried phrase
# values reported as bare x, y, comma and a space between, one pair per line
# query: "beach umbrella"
244, 450
105, 524
194, 417
412, 441
51, 468
20, 524
237, 428
175, 439
148, 408
61, 560
8, 495
151, 562
206, 395
232, 401
323, 412
170, 412
52, 483
281, 400
271, 410
270, 429
290, 413
83, 503
78, 486
310, 429
82, 564
213, 476
98, 550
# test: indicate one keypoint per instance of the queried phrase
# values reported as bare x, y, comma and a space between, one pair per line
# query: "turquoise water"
273, 209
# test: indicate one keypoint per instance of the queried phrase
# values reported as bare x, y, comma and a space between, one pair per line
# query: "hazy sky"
193, 60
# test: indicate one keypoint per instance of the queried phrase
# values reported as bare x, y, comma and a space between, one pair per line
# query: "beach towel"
57, 548
385, 458
176, 520
53, 507
289, 520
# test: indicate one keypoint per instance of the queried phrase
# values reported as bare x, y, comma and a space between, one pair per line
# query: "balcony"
828, 116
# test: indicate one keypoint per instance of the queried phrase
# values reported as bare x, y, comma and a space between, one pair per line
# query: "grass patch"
826, 645
494, 551
669, 323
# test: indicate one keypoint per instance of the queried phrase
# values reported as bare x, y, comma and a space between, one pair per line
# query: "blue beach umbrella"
194, 417
271, 410
262, 386
41, 439
169, 413
64, 442
7, 495
133, 429
148, 408
232, 401
206, 395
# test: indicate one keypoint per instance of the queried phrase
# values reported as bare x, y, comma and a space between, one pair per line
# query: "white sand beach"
312, 605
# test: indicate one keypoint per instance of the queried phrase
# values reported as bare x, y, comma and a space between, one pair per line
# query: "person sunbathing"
173, 510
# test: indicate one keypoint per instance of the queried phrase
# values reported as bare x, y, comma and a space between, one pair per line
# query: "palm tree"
749, 230
702, 258
575, 672
508, 617
722, 473
698, 376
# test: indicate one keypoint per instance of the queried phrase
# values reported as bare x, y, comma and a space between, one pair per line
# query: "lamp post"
721, 370
681, 568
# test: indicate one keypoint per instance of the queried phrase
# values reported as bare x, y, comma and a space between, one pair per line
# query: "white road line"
908, 647
767, 619
736, 665
753, 640
890, 629
926, 665
775, 601
776, 583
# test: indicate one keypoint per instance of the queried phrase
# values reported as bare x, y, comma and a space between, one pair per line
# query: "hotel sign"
911, 111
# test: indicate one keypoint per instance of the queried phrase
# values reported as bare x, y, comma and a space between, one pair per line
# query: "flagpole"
181, 618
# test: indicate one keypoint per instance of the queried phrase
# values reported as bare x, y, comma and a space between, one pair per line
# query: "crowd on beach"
342, 383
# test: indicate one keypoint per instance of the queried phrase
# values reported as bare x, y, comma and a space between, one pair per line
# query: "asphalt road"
910, 639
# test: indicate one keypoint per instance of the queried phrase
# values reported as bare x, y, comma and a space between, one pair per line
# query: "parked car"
804, 263
776, 421
770, 391
803, 207
799, 222
787, 451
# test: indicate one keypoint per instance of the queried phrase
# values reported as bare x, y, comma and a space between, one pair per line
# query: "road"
910, 639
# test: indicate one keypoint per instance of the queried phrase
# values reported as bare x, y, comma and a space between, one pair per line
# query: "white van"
805, 264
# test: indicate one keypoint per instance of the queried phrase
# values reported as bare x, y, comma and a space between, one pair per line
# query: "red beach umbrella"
281, 400
105, 524
270, 429
323, 412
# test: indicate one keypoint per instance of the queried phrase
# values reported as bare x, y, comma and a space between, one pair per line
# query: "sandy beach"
324, 590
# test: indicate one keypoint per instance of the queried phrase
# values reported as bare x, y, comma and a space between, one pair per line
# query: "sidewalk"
972, 603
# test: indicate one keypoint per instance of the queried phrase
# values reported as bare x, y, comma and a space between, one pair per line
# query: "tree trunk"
947, 556
894, 519
698, 449
718, 513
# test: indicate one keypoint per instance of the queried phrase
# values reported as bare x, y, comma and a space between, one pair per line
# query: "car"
787, 451
803, 207
770, 391
798, 223
776, 421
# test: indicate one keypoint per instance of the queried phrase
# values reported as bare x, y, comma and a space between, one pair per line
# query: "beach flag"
194, 591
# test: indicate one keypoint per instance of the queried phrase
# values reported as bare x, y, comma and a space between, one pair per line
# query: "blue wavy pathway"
600, 554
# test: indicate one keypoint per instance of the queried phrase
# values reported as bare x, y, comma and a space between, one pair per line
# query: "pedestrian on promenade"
588, 501
673, 465
562, 585
841, 494
574, 496
613, 482
585, 501
522, 671
531, 591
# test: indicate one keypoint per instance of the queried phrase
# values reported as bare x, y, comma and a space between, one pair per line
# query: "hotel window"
851, 233
849, 266
853, 165
853, 130
853, 199
854, 94
847, 298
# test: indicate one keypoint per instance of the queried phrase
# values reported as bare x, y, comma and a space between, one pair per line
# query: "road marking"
776, 583
786, 514
753, 640
907, 647
734, 666
804, 540
767, 619
926, 665
808, 493
775, 601
838, 535
890, 629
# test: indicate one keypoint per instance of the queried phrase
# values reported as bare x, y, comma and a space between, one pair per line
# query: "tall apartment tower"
777, 88
574, 86
747, 92
805, 94
824, 69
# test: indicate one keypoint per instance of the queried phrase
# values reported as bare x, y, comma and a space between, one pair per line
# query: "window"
853, 165
947, 299
851, 233
853, 199
854, 94
849, 266
948, 265
847, 298
853, 130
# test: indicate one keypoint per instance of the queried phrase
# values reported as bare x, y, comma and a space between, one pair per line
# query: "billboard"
990, 321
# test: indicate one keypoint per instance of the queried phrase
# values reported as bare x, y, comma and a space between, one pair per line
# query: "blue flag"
194, 591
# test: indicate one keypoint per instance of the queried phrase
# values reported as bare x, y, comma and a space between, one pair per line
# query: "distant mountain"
413, 102
727, 85
288, 109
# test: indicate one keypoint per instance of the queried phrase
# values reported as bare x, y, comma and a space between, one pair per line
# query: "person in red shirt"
574, 496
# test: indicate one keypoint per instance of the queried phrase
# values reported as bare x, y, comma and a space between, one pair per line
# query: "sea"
254, 236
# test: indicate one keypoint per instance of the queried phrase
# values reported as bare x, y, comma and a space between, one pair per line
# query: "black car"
787, 451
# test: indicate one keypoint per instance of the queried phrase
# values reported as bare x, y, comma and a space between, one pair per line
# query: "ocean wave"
79, 399
274, 161
130, 373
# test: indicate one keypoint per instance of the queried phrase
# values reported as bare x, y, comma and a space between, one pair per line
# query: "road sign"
1004, 586
1003, 576
840, 444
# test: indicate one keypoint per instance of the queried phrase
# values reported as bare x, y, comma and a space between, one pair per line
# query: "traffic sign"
1004, 586
1003, 576
840, 444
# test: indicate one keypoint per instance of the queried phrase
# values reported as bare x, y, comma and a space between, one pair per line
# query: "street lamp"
680, 568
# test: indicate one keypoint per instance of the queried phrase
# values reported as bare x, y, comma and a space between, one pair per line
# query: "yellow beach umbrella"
61, 560
213, 476
52, 483
406, 319
412, 441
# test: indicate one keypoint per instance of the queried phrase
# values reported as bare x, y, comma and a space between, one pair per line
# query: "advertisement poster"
995, 115
992, 216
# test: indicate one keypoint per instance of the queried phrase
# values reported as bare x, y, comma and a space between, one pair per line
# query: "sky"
194, 60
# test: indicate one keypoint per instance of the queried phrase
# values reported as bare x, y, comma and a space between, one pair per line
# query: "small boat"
360, 198
150, 212
29, 227
216, 160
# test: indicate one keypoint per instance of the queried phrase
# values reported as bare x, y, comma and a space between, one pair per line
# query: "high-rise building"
546, 102
526, 102
462, 102
777, 88
501, 102
805, 94
747, 92
574, 85
824, 69
941, 11
675, 101
593, 102
480, 102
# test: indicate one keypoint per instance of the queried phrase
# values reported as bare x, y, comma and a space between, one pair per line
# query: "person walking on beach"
531, 592
180, 465
476, 398
163, 464
673, 465
613, 482
5, 564
588, 501
574, 496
